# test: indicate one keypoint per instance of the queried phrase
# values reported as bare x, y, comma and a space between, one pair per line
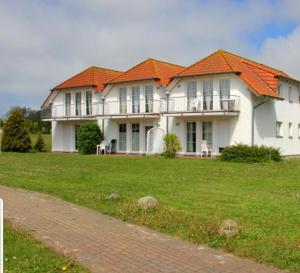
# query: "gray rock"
147, 202
113, 196
229, 228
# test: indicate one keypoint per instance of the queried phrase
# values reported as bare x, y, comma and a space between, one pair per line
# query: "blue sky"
44, 42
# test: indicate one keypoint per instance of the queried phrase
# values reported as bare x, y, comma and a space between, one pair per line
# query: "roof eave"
135, 80
206, 74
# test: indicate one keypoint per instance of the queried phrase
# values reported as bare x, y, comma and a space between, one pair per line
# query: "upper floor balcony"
72, 111
204, 105
146, 108
132, 108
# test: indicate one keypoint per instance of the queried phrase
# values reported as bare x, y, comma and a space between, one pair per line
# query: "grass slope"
23, 254
195, 196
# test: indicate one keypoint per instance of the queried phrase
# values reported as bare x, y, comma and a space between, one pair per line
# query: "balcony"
132, 108
72, 111
209, 105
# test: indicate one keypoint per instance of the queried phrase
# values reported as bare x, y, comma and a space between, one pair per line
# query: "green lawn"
195, 197
47, 139
23, 254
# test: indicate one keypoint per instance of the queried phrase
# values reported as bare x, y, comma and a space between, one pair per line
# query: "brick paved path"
105, 244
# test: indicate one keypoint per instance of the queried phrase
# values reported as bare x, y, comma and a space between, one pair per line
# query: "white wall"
285, 112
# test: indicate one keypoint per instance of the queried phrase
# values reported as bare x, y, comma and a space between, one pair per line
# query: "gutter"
253, 116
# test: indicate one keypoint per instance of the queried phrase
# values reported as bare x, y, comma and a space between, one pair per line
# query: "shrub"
250, 154
39, 145
172, 145
15, 133
89, 135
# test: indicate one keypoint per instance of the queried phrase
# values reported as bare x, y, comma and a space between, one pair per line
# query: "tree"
172, 145
15, 132
39, 145
89, 135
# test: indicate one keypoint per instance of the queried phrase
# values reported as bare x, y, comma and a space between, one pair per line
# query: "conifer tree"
15, 132
39, 145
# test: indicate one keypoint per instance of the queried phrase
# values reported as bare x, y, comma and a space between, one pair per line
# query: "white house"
220, 100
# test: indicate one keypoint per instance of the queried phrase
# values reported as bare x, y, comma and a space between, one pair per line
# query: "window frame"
291, 130
279, 130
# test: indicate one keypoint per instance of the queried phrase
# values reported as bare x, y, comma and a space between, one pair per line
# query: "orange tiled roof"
160, 71
92, 76
262, 79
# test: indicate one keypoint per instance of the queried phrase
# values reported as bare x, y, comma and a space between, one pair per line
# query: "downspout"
253, 119
168, 96
103, 100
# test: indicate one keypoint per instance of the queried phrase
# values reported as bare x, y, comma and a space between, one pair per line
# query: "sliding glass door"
191, 137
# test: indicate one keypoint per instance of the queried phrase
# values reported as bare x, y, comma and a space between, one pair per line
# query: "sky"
44, 42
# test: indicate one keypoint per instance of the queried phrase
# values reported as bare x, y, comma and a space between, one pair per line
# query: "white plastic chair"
195, 104
205, 149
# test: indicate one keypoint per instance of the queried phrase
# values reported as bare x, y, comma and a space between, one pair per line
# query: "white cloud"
43, 42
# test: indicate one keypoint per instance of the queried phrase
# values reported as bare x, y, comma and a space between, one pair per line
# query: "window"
135, 99
279, 131
149, 99
135, 137
88, 102
68, 104
207, 132
290, 130
208, 95
290, 94
78, 103
279, 90
76, 130
122, 137
123, 100
191, 94
224, 93
191, 137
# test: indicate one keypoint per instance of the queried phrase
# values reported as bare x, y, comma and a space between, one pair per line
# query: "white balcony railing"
72, 111
132, 107
203, 104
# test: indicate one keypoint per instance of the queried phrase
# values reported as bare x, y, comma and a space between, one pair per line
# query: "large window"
88, 102
191, 137
149, 98
122, 137
207, 132
135, 99
78, 103
208, 94
290, 94
291, 130
123, 100
135, 137
224, 94
68, 104
191, 94
279, 130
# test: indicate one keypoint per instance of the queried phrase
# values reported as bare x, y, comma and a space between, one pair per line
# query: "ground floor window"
135, 137
122, 137
207, 132
279, 130
191, 137
77, 127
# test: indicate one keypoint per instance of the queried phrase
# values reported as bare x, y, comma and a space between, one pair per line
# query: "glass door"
135, 145
76, 131
122, 137
147, 128
224, 94
191, 95
149, 99
123, 100
136, 99
207, 132
208, 95
191, 137
68, 104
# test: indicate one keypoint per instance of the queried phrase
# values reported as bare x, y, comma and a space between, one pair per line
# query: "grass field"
47, 139
23, 254
195, 197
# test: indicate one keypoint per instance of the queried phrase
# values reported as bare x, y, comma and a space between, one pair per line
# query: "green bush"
172, 145
89, 135
15, 132
39, 145
250, 154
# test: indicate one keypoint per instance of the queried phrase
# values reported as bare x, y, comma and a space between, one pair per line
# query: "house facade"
221, 100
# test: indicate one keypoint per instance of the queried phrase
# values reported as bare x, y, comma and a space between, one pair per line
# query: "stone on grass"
113, 196
229, 228
147, 202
